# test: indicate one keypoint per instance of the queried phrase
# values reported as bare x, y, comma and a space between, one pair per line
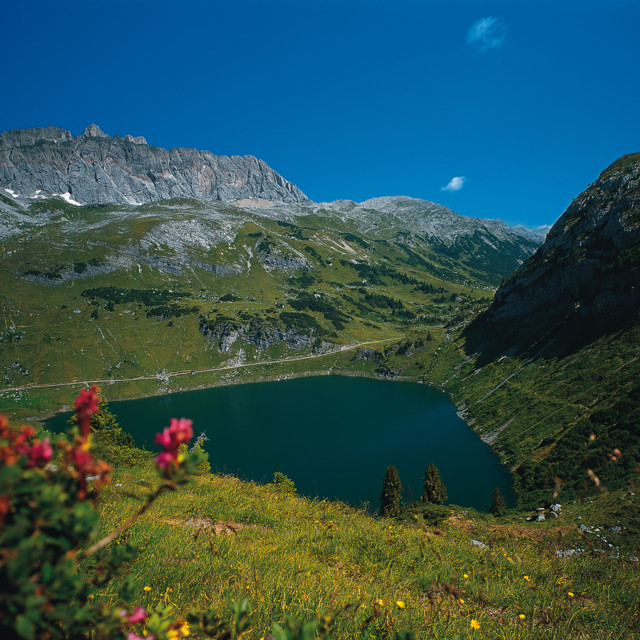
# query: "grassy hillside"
102, 294
557, 410
220, 541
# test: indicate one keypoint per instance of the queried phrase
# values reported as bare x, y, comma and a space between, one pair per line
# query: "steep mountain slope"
589, 265
95, 168
552, 376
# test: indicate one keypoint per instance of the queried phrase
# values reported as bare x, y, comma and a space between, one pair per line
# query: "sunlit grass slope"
220, 540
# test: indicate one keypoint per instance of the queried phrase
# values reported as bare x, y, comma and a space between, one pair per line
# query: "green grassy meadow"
219, 541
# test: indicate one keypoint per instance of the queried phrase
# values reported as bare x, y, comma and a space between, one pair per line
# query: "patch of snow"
66, 196
12, 193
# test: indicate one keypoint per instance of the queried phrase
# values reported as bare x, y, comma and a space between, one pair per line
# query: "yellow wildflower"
475, 624
177, 634
527, 578
464, 575
400, 604
380, 601
570, 594
147, 589
460, 600
522, 616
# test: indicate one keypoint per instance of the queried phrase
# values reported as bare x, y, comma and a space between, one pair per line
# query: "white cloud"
487, 33
455, 184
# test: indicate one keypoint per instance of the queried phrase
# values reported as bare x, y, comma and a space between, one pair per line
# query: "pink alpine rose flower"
181, 430
178, 432
40, 453
164, 438
164, 460
139, 615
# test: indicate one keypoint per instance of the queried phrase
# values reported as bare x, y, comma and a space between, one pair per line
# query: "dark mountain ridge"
585, 278
95, 168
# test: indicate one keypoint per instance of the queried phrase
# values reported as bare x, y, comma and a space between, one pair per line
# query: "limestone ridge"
589, 266
95, 168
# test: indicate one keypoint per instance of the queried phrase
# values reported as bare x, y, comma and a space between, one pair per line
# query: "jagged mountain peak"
29, 137
94, 131
96, 168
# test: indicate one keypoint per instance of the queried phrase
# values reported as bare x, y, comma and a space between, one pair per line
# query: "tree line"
434, 493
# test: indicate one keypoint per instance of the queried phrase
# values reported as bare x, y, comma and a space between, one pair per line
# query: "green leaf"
25, 628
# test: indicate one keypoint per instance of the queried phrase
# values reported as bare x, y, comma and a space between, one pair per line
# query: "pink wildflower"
181, 430
86, 405
164, 438
139, 615
178, 432
164, 460
40, 453
135, 636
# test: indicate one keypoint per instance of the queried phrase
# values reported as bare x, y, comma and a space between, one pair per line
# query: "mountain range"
95, 168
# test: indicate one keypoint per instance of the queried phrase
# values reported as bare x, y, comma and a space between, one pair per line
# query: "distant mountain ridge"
95, 168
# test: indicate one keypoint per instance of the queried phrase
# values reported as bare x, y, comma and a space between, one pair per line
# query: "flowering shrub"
47, 519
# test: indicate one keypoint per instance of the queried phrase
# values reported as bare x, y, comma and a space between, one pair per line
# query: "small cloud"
487, 33
455, 184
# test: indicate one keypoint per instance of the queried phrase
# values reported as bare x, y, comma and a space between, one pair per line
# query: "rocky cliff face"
589, 266
95, 168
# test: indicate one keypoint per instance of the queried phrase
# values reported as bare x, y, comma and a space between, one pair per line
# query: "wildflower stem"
127, 523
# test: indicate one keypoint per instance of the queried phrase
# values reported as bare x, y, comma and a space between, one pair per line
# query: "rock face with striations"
95, 168
589, 266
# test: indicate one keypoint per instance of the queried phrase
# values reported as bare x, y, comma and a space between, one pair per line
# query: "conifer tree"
391, 495
499, 505
434, 490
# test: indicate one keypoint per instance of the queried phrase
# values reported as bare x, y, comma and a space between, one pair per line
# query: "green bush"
432, 515
283, 483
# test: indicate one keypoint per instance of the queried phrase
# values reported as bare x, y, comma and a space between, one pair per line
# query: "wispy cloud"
487, 33
455, 184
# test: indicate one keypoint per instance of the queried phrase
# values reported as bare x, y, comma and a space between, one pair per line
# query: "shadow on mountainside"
491, 339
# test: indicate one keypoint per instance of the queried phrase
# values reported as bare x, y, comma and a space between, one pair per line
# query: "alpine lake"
333, 436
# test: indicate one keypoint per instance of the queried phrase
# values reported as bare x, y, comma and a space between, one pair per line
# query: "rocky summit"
589, 266
95, 168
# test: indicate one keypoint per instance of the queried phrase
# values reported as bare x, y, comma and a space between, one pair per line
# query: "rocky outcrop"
226, 333
95, 168
589, 265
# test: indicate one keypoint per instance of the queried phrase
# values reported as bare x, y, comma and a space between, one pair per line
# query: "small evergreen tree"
391, 495
499, 505
434, 490
283, 483
109, 441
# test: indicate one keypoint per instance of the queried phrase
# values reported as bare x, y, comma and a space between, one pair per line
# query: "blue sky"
524, 102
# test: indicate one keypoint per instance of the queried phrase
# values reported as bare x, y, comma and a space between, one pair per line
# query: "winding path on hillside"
188, 372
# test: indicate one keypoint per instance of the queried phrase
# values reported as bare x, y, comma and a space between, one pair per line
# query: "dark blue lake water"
333, 436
